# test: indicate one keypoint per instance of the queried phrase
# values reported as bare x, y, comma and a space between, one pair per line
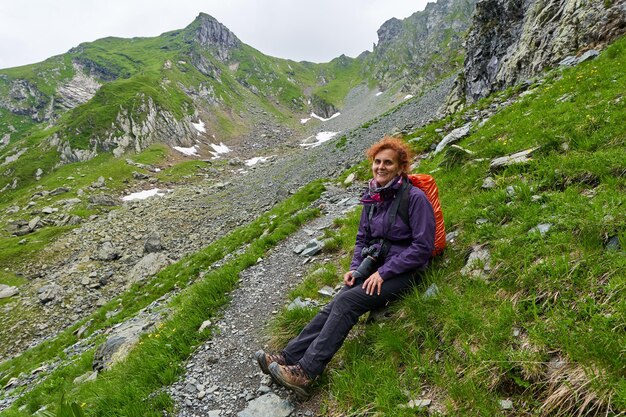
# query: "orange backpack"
400, 207
427, 184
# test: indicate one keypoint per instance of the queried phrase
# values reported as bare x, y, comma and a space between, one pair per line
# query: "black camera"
368, 264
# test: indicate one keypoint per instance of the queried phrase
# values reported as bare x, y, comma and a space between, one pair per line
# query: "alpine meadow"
170, 205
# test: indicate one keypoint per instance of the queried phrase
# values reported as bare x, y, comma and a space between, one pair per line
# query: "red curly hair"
404, 153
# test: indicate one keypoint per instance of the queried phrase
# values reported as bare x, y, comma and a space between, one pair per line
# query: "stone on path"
312, 248
268, 405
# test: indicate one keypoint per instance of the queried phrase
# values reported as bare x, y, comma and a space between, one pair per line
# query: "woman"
399, 252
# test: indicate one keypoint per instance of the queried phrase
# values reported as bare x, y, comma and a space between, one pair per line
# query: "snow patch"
199, 126
193, 151
325, 120
320, 138
303, 121
379, 93
219, 149
142, 195
408, 96
256, 160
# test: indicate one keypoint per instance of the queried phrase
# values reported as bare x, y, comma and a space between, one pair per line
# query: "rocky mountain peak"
389, 31
210, 33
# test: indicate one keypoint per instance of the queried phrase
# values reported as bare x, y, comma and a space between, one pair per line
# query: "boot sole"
260, 358
302, 393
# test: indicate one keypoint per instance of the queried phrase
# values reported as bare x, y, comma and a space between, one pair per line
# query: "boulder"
153, 243
349, 179
102, 200
488, 183
17, 227
86, 377
58, 191
49, 293
140, 176
521, 157
326, 291
542, 228
312, 248
7, 291
121, 341
149, 265
613, 244
453, 136
99, 183
35, 223
107, 252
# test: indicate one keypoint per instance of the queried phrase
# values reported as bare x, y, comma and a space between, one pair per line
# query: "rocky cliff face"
422, 48
132, 131
79, 90
24, 99
513, 40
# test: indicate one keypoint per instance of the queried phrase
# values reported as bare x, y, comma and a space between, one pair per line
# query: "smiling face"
385, 166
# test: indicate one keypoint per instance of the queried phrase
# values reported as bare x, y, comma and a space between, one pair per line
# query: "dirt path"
222, 376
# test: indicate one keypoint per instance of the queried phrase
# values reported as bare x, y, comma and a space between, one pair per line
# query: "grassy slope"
548, 298
546, 328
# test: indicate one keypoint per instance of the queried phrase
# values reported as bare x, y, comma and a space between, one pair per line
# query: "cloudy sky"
33, 30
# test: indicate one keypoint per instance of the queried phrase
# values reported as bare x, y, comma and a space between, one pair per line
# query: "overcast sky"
317, 31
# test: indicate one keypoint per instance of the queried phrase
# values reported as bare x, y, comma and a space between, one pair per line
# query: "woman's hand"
372, 284
348, 279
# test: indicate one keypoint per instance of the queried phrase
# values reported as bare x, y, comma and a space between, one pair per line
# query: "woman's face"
385, 166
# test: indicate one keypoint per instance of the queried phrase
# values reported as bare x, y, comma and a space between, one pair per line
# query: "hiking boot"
292, 377
264, 360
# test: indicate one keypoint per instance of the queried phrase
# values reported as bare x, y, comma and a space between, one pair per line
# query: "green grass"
545, 329
158, 359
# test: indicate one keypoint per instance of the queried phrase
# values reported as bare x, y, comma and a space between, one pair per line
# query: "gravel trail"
222, 375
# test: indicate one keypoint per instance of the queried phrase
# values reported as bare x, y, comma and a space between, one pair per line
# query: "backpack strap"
399, 206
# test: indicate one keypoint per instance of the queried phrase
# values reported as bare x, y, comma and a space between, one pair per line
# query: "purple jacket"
411, 246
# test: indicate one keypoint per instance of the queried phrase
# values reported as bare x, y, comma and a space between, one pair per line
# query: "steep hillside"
423, 48
524, 313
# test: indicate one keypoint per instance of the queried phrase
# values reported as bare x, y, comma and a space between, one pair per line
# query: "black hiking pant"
315, 346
